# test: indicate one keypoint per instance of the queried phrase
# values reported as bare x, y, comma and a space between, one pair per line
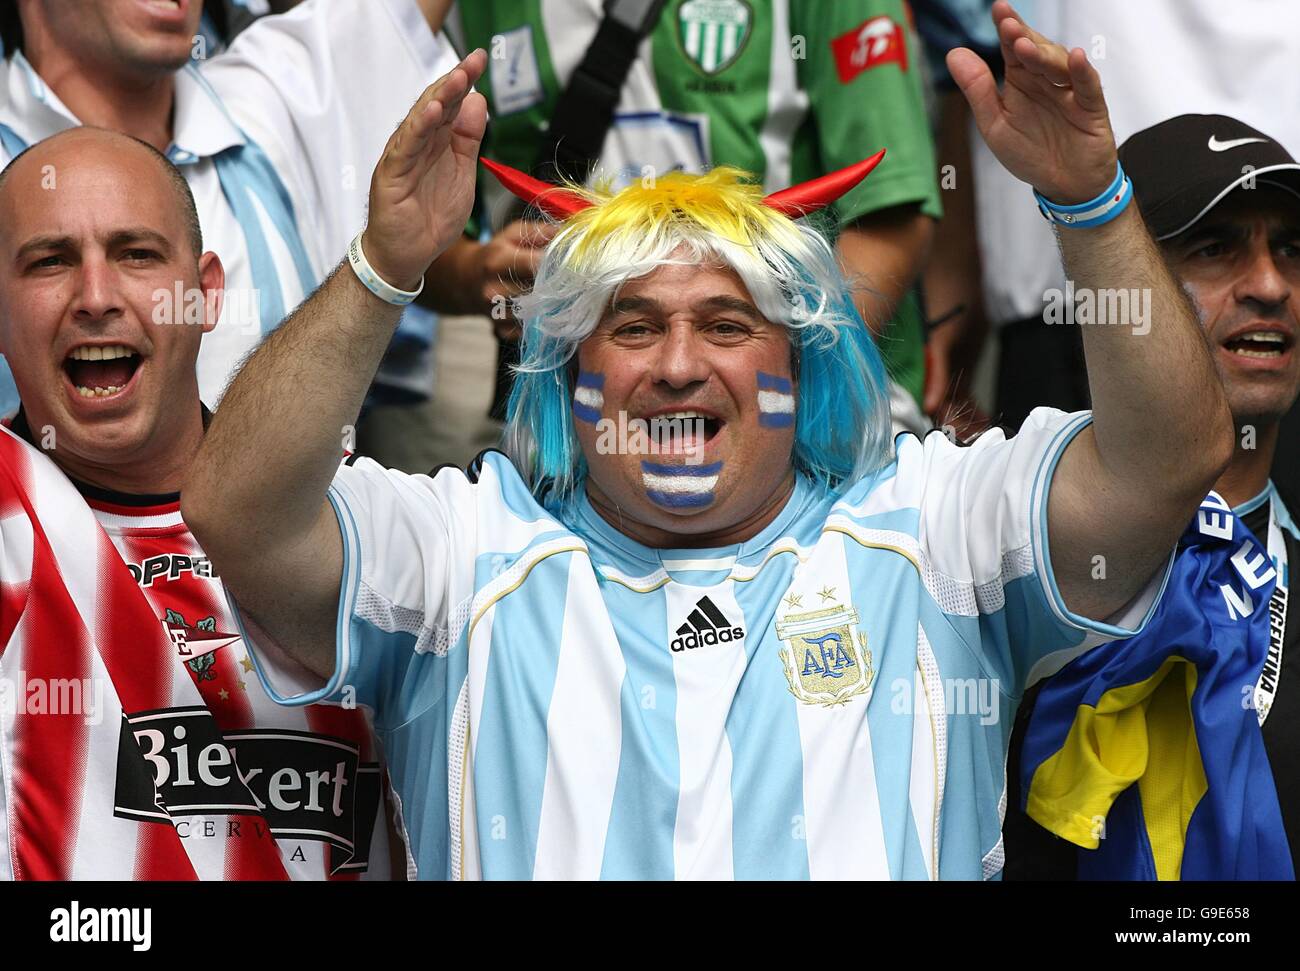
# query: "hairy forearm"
276, 441
1159, 412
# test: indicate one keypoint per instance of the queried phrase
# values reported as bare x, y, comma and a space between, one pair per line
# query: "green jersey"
785, 89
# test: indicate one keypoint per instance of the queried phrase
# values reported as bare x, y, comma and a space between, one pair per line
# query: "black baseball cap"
1182, 168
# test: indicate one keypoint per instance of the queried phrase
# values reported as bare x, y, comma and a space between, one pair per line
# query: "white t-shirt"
277, 137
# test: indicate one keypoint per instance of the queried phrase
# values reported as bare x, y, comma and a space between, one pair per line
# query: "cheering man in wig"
730, 653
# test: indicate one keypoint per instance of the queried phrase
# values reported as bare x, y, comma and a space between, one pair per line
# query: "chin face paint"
588, 396
680, 486
775, 401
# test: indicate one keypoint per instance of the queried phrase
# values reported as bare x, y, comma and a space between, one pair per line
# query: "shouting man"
168, 761
732, 656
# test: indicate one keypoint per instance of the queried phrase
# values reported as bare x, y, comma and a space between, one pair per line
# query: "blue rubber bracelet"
1094, 212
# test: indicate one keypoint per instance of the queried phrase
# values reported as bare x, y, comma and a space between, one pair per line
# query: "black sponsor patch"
176, 762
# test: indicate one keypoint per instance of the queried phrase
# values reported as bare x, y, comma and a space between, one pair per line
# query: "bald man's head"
105, 295
102, 140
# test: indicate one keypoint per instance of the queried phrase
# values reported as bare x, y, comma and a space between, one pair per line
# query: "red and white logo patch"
874, 42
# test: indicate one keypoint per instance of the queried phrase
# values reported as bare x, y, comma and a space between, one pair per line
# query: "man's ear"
212, 280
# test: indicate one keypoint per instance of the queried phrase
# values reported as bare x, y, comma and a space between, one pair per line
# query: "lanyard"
1266, 687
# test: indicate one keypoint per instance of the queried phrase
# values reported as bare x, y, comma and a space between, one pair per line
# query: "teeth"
1246, 353
677, 416
1269, 336
110, 353
98, 392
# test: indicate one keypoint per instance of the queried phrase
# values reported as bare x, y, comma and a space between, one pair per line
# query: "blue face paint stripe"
654, 468
585, 413
588, 398
775, 401
679, 500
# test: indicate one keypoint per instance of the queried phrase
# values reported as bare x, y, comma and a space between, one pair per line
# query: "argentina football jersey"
830, 699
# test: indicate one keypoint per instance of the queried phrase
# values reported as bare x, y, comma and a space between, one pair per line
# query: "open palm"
1049, 125
422, 190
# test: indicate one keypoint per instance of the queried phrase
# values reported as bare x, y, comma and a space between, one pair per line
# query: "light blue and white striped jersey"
832, 698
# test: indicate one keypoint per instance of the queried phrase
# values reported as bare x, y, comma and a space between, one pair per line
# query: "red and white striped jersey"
135, 740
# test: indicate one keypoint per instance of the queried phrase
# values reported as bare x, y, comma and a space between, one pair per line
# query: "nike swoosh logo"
1218, 146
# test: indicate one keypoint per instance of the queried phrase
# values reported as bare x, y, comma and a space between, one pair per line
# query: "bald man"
136, 742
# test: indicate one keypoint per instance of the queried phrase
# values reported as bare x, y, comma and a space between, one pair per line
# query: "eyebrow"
630, 305
117, 238
1214, 231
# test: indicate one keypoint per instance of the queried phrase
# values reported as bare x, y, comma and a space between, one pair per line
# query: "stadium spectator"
630, 667
274, 135
1223, 200
1158, 61
783, 90
954, 299
171, 762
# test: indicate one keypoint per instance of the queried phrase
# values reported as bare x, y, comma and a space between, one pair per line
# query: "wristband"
376, 284
1094, 212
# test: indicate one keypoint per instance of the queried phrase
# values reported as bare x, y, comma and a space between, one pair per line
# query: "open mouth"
682, 431
1259, 344
170, 12
100, 372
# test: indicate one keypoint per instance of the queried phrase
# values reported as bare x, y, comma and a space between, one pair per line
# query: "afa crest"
826, 658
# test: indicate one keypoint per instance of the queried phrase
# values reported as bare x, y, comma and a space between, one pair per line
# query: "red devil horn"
800, 200
551, 199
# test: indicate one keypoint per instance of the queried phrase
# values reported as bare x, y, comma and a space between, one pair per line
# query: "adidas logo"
706, 625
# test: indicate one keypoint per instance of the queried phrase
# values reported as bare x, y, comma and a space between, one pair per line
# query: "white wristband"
376, 284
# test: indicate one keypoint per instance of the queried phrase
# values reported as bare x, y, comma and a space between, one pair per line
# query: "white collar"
201, 126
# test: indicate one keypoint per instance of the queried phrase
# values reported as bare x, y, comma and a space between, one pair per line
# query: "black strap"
585, 108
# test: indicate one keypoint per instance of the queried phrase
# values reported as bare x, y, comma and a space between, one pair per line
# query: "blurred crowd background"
952, 263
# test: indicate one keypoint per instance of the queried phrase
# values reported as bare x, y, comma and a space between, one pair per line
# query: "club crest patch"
714, 32
825, 656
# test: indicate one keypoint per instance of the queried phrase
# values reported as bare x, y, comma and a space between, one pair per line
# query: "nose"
681, 359
98, 296
1262, 282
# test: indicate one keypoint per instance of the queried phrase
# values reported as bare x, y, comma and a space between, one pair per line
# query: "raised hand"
423, 187
1049, 125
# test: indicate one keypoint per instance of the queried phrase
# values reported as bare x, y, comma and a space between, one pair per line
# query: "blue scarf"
1147, 752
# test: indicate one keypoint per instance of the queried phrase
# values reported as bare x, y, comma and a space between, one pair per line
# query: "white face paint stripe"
684, 484
774, 402
589, 397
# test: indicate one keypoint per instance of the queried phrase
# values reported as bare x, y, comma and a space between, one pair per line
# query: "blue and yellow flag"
1148, 752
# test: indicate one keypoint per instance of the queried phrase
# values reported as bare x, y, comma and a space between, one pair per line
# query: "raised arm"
1162, 432
256, 497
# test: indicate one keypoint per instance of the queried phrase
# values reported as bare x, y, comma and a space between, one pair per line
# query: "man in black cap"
1223, 201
